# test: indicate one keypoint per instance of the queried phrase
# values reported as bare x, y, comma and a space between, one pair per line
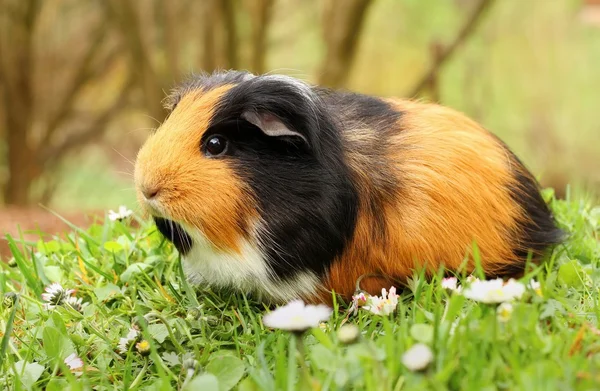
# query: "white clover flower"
451, 284
494, 291
384, 305
126, 342
504, 312
418, 357
76, 303
535, 286
74, 362
55, 295
121, 214
297, 316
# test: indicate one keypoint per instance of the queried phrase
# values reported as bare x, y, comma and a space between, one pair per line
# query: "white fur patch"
247, 271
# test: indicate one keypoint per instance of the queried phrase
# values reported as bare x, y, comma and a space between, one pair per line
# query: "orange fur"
450, 172
216, 202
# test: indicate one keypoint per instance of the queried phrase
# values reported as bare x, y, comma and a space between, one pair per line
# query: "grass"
216, 340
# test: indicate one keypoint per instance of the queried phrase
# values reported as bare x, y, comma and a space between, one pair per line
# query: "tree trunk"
209, 54
16, 69
342, 25
169, 10
147, 77
229, 29
261, 12
22, 169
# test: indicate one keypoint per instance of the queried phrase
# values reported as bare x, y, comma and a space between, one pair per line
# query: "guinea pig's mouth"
175, 233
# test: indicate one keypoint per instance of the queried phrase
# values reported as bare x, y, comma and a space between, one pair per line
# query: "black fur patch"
175, 233
304, 192
354, 112
354, 109
540, 232
203, 81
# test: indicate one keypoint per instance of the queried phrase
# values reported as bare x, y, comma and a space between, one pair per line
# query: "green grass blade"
8, 331
32, 281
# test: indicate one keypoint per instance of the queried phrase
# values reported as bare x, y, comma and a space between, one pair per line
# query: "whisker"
124, 157
152, 118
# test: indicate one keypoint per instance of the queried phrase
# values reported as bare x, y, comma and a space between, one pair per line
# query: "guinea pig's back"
432, 182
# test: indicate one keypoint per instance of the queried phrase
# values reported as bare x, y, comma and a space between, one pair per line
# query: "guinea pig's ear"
270, 124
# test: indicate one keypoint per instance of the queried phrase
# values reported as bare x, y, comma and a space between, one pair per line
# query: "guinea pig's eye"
215, 145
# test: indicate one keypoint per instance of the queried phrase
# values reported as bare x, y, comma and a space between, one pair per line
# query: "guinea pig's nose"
150, 191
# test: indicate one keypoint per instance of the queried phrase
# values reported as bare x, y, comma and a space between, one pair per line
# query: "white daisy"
535, 286
472, 278
126, 342
358, 300
494, 291
384, 305
451, 284
74, 362
504, 312
418, 357
76, 303
297, 316
56, 295
348, 333
121, 214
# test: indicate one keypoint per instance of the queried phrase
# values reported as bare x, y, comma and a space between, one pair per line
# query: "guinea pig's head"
252, 167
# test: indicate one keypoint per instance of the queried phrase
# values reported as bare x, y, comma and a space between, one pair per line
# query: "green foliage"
212, 340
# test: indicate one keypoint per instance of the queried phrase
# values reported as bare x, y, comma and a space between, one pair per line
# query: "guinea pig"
276, 188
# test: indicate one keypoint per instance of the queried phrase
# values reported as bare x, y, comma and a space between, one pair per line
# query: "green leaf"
550, 308
53, 273
29, 373
57, 384
323, 358
228, 370
52, 246
572, 274
8, 331
547, 194
113, 247
56, 345
341, 377
422, 332
322, 337
204, 382
132, 270
106, 291
248, 384
57, 321
171, 358
159, 332
594, 217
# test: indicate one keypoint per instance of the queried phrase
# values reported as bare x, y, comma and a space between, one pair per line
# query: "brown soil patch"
30, 221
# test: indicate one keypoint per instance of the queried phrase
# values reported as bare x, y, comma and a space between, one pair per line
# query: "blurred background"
81, 82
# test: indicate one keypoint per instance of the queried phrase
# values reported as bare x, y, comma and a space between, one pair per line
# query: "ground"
14, 220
